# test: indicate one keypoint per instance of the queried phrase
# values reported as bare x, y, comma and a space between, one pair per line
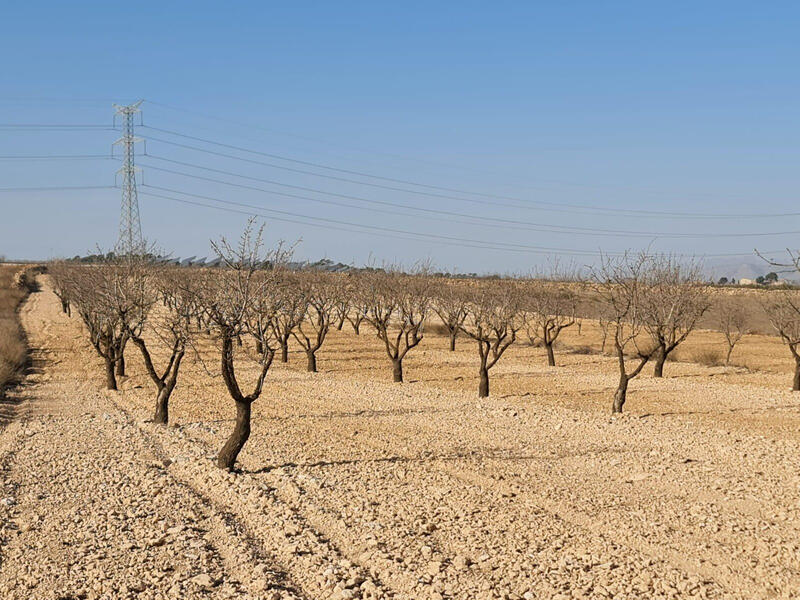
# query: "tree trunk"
312, 361
620, 395
796, 382
111, 379
161, 415
397, 370
285, 350
357, 327
551, 357
259, 347
661, 358
728, 355
226, 458
453, 335
340, 324
483, 386
121, 364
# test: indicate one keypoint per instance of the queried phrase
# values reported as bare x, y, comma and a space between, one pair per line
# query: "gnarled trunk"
312, 361
121, 363
111, 378
161, 416
796, 381
226, 458
397, 370
453, 334
621, 394
661, 358
284, 350
551, 357
483, 385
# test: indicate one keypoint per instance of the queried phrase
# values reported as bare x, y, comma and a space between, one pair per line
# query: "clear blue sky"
688, 107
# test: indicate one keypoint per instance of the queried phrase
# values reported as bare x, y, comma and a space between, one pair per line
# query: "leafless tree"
783, 309
398, 305
319, 301
493, 320
171, 328
109, 297
731, 318
621, 285
290, 314
450, 304
358, 311
232, 296
59, 274
676, 298
551, 308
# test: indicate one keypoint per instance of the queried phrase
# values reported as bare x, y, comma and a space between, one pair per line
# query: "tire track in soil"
273, 525
727, 578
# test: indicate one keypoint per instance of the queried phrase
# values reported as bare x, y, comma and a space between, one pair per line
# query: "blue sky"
681, 107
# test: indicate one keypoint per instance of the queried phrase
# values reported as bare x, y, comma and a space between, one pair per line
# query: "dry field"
355, 487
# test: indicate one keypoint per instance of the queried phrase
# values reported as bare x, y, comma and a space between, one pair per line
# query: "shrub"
710, 357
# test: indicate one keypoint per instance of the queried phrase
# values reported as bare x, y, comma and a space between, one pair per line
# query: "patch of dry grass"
12, 343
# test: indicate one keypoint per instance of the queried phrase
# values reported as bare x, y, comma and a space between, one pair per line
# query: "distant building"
744, 281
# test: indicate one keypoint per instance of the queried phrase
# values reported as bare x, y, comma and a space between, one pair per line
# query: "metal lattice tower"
130, 227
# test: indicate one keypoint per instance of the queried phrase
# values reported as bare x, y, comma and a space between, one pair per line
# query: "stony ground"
354, 487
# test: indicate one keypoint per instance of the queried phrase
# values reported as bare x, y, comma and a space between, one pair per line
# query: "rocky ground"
354, 487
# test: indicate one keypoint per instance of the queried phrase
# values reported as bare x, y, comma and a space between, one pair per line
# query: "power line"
60, 157
58, 188
373, 151
474, 219
375, 230
383, 230
558, 206
67, 126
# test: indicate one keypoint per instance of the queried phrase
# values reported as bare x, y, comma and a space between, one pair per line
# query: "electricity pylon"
130, 227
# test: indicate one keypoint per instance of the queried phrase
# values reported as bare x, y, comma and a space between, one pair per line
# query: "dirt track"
356, 487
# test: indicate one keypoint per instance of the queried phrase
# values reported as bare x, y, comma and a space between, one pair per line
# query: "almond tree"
59, 275
358, 311
450, 304
622, 285
493, 320
171, 328
551, 309
398, 306
109, 300
783, 309
232, 295
676, 300
731, 318
290, 314
319, 304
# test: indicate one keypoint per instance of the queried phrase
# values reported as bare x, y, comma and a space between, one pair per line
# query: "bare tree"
783, 309
109, 300
232, 295
450, 304
551, 308
398, 305
319, 304
357, 313
171, 328
59, 274
675, 301
731, 318
493, 320
292, 310
621, 285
